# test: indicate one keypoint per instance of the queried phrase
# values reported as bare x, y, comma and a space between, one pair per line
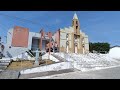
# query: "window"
76, 27
67, 35
73, 23
76, 44
75, 37
67, 43
77, 22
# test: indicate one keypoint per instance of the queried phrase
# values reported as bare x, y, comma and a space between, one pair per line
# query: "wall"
57, 37
20, 37
62, 41
13, 50
53, 67
86, 44
9, 40
9, 37
18, 50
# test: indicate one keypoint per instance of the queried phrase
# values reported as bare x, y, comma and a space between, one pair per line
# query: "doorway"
35, 43
75, 49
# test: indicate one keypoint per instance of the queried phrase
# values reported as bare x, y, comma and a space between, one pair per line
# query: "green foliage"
99, 47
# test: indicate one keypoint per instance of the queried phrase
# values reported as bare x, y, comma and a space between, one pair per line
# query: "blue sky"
100, 26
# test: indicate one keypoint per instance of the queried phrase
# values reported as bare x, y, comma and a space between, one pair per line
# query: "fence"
103, 52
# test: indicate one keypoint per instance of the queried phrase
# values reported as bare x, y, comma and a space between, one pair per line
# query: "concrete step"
3, 67
5, 61
9, 74
33, 75
1, 70
4, 64
58, 57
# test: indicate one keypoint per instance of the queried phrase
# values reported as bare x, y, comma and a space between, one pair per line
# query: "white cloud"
57, 21
52, 22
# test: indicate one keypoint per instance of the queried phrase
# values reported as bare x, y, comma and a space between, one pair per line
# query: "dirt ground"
19, 65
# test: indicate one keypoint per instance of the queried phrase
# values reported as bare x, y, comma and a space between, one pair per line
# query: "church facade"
72, 39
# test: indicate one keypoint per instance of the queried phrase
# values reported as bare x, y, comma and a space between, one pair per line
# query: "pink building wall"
57, 38
41, 38
20, 37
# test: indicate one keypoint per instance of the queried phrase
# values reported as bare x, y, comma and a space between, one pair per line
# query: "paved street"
111, 73
9, 74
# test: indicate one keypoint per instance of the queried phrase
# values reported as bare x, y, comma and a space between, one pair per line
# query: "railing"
9, 55
16, 52
59, 58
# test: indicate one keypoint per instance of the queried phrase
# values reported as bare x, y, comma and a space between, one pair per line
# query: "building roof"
75, 16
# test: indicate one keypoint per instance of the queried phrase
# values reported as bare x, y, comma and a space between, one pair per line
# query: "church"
69, 39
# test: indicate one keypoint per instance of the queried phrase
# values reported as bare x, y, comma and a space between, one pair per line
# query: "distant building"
70, 40
20, 39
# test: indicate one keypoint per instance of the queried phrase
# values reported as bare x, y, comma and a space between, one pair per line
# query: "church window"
77, 22
67, 35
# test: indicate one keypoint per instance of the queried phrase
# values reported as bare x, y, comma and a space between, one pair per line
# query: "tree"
99, 47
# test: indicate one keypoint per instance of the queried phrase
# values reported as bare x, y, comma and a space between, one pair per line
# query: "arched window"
67, 35
67, 43
75, 37
83, 45
76, 44
73, 22
76, 22
76, 27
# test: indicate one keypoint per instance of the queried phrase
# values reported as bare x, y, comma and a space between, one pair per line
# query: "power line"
23, 20
19, 18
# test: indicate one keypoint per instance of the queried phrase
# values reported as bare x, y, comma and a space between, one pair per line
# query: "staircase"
30, 53
4, 64
9, 55
58, 57
15, 51
47, 73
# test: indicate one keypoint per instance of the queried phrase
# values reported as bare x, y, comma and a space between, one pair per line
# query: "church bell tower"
76, 24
